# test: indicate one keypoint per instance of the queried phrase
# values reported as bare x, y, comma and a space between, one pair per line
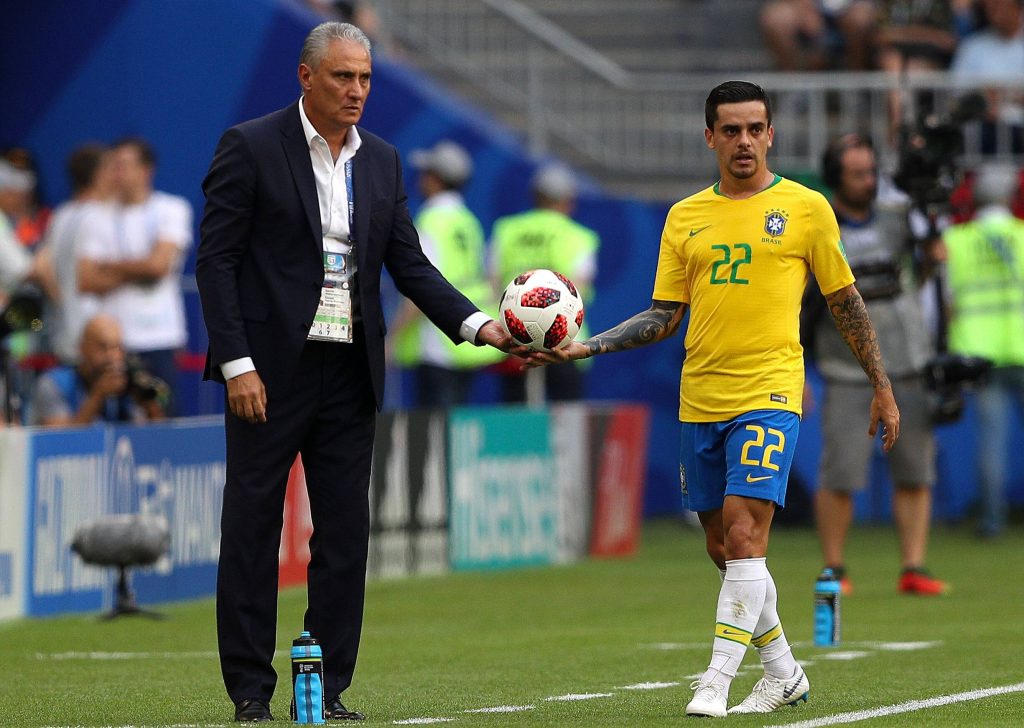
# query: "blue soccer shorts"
749, 455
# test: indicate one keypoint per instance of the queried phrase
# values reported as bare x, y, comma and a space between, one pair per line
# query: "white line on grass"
501, 709
422, 721
649, 686
908, 707
578, 696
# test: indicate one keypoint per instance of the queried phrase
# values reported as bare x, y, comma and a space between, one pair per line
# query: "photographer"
876, 237
102, 388
986, 285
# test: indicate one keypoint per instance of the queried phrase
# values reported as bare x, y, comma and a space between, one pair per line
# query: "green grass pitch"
437, 647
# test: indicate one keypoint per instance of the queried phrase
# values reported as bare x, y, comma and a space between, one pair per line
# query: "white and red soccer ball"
541, 309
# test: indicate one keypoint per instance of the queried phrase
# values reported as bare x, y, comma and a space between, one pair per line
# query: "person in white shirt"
90, 173
997, 51
138, 272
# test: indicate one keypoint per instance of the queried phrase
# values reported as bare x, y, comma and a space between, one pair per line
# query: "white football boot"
709, 700
770, 693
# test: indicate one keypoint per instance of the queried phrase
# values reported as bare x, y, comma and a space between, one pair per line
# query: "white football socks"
769, 639
740, 603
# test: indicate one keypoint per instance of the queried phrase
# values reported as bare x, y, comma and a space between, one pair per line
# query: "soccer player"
737, 255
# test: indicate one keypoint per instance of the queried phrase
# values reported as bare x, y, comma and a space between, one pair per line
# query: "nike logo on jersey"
698, 230
752, 479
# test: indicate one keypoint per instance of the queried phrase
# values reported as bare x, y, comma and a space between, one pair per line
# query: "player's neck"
740, 189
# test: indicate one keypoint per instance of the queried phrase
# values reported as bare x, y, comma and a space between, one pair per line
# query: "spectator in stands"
546, 237
453, 240
997, 51
810, 35
90, 174
138, 271
914, 36
25, 208
876, 236
100, 388
986, 285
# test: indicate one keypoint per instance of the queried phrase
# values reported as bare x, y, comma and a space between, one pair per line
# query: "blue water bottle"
826, 609
307, 680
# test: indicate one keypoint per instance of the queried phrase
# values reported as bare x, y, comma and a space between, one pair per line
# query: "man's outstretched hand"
572, 352
492, 334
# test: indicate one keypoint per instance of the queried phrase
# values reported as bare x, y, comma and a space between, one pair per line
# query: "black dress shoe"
335, 710
252, 710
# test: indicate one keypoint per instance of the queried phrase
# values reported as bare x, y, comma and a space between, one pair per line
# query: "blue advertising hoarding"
174, 469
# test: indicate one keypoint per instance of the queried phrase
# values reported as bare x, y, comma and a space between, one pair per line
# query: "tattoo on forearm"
658, 322
851, 316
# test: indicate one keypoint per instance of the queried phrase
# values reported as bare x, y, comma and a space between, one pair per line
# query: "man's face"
132, 176
101, 349
858, 181
741, 138
1003, 15
336, 90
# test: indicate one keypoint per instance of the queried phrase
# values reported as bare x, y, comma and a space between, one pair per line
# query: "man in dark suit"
302, 211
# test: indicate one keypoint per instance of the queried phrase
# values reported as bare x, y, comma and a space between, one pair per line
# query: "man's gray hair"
315, 47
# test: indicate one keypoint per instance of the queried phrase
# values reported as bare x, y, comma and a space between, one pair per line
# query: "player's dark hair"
734, 92
832, 158
83, 163
145, 150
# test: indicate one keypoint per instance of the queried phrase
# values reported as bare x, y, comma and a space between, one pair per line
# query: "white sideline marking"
422, 721
649, 686
501, 709
578, 696
908, 707
122, 655
843, 655
675, 645
903, 646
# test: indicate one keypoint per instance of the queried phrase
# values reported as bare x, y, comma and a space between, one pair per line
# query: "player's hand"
572, 352
492, 334
247, 397
884, 410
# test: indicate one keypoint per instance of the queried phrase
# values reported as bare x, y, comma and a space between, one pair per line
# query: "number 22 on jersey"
727, 268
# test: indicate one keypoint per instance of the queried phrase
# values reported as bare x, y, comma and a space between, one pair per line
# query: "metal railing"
563, 91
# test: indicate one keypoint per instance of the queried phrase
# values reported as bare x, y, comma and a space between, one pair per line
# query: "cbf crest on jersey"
775, 223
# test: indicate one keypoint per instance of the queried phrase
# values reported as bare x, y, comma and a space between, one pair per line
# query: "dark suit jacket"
259, 265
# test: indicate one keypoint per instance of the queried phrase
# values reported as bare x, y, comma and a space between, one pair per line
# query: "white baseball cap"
12, 178
554, 181
448, 160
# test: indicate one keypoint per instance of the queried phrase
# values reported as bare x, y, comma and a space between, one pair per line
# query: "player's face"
741, 139
858, 182
336, 90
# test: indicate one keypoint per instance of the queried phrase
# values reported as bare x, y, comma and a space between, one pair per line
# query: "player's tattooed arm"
851, 317
658, 322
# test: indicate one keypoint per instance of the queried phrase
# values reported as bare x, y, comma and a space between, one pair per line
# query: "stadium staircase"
502, 55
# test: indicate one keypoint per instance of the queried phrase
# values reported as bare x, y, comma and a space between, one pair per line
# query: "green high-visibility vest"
986, 280
543, 239
460, 258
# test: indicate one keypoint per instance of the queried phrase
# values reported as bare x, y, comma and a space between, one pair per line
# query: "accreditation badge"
333, 318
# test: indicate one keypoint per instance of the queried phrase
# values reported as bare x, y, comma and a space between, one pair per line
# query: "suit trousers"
327, 415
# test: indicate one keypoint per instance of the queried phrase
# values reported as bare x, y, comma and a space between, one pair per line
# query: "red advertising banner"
621, 443
294, 555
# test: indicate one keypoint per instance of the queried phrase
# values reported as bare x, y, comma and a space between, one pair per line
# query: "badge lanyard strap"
351, 202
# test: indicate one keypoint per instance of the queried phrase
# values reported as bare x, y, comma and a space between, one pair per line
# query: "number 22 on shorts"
766, 451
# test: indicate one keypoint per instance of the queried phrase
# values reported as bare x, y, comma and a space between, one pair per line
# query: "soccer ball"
542, 309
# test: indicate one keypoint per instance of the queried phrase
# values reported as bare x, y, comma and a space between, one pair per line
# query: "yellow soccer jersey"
742, 266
